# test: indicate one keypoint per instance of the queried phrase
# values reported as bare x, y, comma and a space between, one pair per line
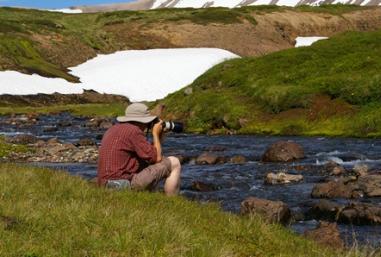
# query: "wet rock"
370, 185
271, 211
203, 187
361, 169
50, 129
338, 188
64, 123
207, 158
23, 139
326, 234
8, 222
85, 142
238, 159
215, 148
325, 209
282, 178
283, 151
349, 187
102, 123
334, 168
353, 213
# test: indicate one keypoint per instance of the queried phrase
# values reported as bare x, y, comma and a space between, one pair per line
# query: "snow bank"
16, 83
307, 41
65, 10
143, 75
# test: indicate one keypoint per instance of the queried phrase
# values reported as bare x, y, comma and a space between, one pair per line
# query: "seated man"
127, 159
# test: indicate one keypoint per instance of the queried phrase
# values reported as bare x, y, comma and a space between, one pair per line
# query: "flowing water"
235, 182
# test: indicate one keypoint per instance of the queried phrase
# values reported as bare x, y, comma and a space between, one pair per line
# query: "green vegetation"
330, 88
61, 215
110, 110
47, 43
6, 149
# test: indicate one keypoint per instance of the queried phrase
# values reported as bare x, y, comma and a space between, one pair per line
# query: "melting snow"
307, 41
140, 75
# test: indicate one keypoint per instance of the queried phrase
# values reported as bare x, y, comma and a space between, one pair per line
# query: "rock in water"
207, 158
238, 159
370, 185
361, 169
271, 211
353, 213
202, 187
326, 234
282, 178
283, 151
334, 168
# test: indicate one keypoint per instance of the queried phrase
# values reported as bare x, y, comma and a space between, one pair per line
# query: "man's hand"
157, 129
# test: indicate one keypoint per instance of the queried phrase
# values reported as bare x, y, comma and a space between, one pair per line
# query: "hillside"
330, 88
157, 4
47, 43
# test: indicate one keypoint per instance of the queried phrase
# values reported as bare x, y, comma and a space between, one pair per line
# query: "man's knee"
175, 162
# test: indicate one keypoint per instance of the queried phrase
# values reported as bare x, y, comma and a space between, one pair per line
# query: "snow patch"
65, 10
141, 75
307, 41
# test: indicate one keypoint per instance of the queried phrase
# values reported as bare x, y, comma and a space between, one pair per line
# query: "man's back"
124, 151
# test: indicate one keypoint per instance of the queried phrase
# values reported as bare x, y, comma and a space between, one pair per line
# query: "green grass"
110, 110
266, 90
61, 215
6, 149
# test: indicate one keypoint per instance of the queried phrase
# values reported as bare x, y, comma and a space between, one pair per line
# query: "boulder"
238, 159
326, 234
325, 209
283, 151
215, 148
349, 187
370, 185
334, 168
338, 188
203, 187
210, 159
271, 211
102, 123
64, 123
282, 178
361, 169
23, 139
50, 129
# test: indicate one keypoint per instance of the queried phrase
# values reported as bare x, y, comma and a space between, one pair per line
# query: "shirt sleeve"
143, 148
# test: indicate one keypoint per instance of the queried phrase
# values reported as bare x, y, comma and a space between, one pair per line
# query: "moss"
6, 149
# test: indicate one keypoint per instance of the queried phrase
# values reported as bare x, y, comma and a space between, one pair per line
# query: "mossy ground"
62, 215
331, 88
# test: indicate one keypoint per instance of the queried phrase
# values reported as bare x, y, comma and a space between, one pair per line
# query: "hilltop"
331, 88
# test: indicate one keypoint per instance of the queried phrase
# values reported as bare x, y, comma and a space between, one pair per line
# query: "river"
235, 182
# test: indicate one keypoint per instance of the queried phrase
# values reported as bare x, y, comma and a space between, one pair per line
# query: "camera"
176, 127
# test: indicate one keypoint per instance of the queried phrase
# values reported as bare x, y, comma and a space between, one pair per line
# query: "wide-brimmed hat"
137, 112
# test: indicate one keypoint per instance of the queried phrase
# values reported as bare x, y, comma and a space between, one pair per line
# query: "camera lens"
176, 127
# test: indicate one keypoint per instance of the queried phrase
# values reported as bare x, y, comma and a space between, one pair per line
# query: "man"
127, 159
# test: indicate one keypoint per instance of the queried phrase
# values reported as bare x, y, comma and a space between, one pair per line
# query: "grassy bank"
6, 149
61, 215
107, 110
331, 88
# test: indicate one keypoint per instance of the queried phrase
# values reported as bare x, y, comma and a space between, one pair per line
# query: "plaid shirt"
124, 151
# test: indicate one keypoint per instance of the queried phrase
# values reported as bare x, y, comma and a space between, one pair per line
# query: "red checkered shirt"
124, 151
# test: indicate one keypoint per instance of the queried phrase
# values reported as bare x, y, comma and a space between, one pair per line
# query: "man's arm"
157, 132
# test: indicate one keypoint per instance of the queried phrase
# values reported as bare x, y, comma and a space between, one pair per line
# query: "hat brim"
140, 119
